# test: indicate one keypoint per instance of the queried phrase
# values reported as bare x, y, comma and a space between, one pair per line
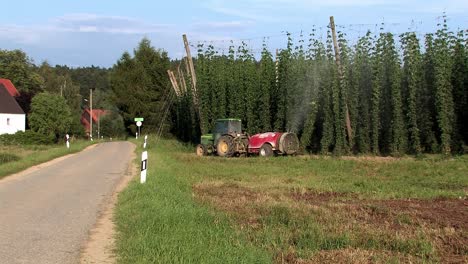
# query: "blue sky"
97, 32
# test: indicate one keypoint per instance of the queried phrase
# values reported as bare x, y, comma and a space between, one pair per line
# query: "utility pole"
98, 124
341, 77
91, 114
62, 87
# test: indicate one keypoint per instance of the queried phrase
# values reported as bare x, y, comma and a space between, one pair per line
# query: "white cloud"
271, 10
106, 24
88, 29
222, 25
79, 23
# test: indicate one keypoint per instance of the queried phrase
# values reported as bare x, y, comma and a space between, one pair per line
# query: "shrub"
28, 137
8, 157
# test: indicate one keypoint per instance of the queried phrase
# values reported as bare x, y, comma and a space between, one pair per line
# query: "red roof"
10, 87
8, 104
96, 113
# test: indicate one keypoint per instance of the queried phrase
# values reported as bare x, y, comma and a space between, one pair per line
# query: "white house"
12, 117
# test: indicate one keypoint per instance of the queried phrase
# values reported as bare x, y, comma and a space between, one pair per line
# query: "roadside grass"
160, 222
15, 158
303, 209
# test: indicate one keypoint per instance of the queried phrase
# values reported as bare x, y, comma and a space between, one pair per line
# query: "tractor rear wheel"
266, 150
225, 147
201, 150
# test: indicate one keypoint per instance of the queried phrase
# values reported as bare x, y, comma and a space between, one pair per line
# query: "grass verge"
16, 158
160, 222
294, 210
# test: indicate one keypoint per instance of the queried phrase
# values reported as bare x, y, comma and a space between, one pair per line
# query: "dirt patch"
100, 245
440, 212
351, 255
443, 220
314, 197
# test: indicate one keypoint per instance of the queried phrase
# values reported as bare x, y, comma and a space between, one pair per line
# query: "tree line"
53, 97
398, 94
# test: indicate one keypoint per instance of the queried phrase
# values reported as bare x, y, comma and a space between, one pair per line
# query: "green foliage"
112, 125
50, 115
412, 82
16, 66
443, 87
141, 85
459, 80
27, 137
363, 82
397, 99
8, 157
58, 81
266, 81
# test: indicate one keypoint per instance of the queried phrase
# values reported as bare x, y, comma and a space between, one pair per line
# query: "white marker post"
68, 141
144, 165
138, 123
144, 144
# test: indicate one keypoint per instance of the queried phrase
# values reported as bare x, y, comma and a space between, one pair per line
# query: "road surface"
45, 215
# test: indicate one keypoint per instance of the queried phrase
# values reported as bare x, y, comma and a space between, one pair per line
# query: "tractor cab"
227, 126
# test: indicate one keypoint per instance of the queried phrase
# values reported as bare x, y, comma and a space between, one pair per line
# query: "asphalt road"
45, 215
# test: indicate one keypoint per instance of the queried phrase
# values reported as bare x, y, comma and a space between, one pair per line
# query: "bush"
50, 114
7, 157
26, 138
112, 125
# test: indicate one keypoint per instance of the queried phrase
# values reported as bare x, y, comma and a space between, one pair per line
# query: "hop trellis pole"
341, 76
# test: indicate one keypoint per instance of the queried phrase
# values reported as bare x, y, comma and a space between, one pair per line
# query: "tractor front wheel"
225, 147
266, 150
201, 150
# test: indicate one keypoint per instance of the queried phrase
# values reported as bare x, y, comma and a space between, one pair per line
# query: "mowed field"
303, 209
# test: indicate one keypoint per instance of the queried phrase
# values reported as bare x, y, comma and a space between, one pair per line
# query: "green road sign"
138, 119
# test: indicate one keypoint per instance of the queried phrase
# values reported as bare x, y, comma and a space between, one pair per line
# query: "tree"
17, 67
141, 85
112, 125
50, 114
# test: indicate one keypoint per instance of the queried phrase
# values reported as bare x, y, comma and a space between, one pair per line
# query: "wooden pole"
187, 68
276, 67
190, 62
91, 114
173, 82
182, 79
341, 76
194, 83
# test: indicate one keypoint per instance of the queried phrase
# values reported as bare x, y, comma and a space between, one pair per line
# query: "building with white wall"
12, 117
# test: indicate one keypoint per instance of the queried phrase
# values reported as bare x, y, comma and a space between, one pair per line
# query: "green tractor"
226, 140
